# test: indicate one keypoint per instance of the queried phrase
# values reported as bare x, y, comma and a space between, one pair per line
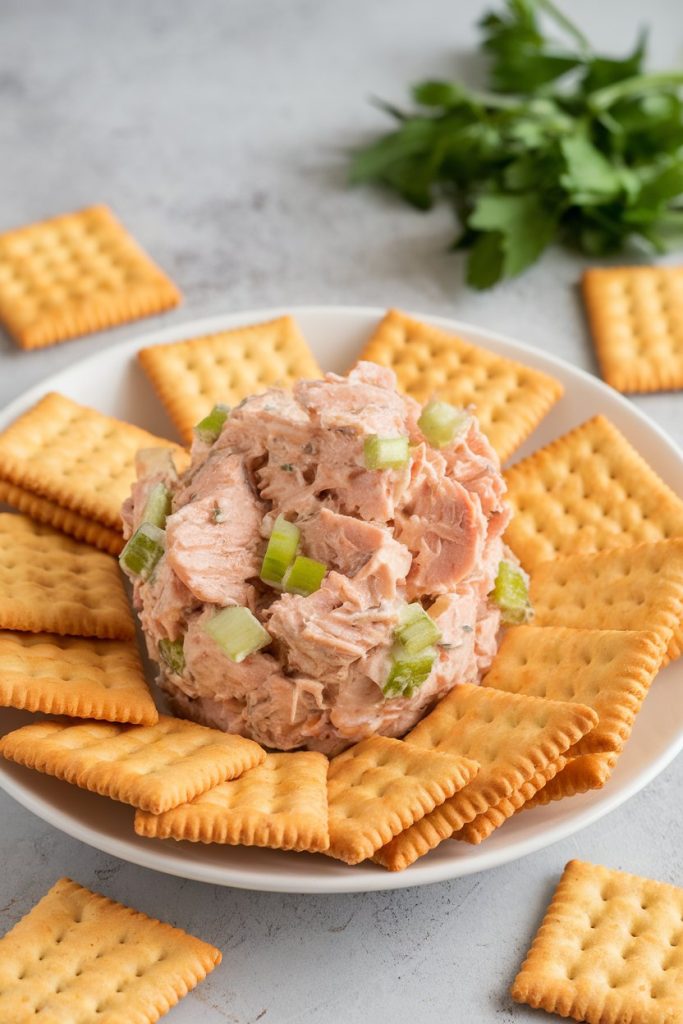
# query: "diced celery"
237, 632
416, 630
172, 654
305, 576
143, 551
210, 427
511, 594
386, 452
441, 422
408, 671
157, 506
281, 551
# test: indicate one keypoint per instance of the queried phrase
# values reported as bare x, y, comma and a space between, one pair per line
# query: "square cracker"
50, 583
509, 399
579, 775
76, 457
587, 491
78, 957
636, 319
609, 950
381, 786
153, 767
191, 376
607, 670
76, 273
83, 678
45, 511
511, 736
638, 587
281, 804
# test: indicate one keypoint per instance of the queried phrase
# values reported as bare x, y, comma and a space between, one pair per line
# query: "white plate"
112, 382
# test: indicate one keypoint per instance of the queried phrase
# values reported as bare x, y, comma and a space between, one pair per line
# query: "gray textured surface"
216, 130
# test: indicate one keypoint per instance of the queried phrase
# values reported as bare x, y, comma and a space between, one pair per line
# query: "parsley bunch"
568, 144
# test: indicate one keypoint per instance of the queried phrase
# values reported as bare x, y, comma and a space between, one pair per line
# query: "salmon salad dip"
329, 566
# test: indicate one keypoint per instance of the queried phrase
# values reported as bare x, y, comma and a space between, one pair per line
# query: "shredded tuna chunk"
427, 531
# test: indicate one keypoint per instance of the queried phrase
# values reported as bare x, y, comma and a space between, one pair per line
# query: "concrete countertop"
217, 131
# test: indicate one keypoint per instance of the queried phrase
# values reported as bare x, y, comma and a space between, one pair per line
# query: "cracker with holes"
282, 804
609, 949
75, 457
153, 767
639, 587
50, 583
42, 510
381, 786
514, 738
192, 376
587, 491
635, 316
607, 670
78, 956
579, 775
83, 678
74, 274
509, 399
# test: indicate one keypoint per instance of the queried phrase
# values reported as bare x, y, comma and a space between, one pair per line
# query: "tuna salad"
328, 567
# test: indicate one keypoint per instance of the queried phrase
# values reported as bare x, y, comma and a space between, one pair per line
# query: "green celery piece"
305, 576
408, 672
237, 632
386, 452
416, 630
511, 594
143, 551
157, 506
172, 654
281, 551
210, 427
441, 422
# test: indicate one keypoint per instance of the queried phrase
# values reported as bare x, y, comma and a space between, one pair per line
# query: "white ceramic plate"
112, 382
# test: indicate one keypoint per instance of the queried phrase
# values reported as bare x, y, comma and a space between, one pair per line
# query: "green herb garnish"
569, 145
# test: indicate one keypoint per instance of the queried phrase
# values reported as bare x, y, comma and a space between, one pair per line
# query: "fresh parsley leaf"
523, 226
570, 145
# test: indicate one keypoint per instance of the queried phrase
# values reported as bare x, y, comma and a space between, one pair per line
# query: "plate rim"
258, 880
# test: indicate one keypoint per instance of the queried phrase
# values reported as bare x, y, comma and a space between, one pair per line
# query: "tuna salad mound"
328, 567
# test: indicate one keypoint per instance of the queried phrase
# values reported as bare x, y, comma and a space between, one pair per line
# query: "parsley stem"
570, 28
611, 94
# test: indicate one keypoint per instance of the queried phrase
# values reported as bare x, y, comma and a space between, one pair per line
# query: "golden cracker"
609, 950
639, 587
509, 399
580, 775
484, 824
511, 736
153, 767
45, 511
281, 803
76, 273
52, 584
607, 670
191, 376
381, 786
76, 457
78, 956
587, 491
636, 319
83, 678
